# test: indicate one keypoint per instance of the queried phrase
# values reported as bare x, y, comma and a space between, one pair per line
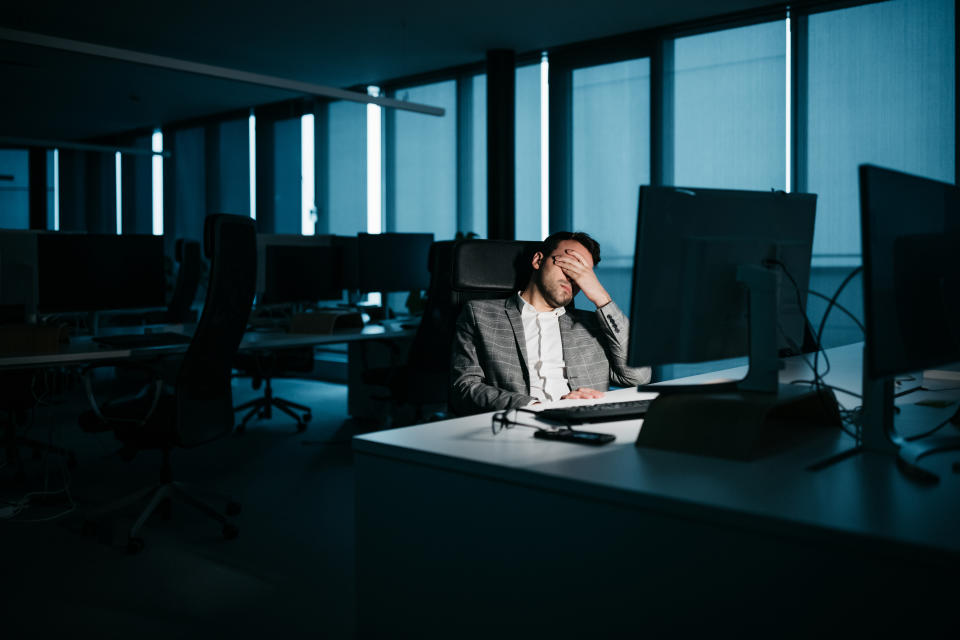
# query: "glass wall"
611, 159
345, 208
14, 189
422, 183
881, 89
527, 150
475, 199
729, 97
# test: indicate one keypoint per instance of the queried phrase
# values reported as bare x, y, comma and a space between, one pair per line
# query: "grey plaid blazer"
488, 366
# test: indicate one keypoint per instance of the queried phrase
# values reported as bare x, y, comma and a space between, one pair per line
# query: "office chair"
262, 367
460, 270
188, 254
424, 378
199, 408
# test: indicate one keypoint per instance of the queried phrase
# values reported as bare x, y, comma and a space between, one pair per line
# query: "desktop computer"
302, 274
721, 274
910, 232
96, 272
393, 261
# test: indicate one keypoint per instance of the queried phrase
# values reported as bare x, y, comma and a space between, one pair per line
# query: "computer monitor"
94, 272
302, 274
910, 231
709, 282
687, 303
393, 261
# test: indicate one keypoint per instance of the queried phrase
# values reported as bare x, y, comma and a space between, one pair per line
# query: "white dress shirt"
541, 329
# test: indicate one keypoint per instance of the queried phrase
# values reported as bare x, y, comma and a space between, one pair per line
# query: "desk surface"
84, 350
863, 496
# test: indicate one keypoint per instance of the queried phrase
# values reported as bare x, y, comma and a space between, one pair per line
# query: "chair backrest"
204, 399
188, 280
485, 269
430, 350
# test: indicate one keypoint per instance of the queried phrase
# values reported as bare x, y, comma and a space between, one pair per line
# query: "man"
530, 348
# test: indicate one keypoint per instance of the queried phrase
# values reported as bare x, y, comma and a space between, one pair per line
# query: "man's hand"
583, 393
575, 267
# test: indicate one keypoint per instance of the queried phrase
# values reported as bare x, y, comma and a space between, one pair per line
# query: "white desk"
456, 526
83, 350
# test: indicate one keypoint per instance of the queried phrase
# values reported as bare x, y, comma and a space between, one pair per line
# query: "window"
346, 172
611, 159
422, 174
14, 189
473, 181
881, 90
527, 224
729, 108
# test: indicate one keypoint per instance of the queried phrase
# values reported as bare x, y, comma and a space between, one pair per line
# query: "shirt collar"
528, 309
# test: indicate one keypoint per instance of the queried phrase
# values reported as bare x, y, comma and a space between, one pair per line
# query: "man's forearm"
474, 396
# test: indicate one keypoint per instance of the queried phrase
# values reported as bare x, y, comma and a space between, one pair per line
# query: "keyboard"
143, 340
605, 412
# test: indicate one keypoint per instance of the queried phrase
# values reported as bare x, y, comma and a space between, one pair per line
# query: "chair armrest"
156, 383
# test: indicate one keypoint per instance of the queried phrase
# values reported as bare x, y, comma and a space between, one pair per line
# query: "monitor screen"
910, 234
302, 273
687, 305
393, 261
92, 272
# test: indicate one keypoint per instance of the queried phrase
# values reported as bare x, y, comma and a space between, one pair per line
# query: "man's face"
556, 288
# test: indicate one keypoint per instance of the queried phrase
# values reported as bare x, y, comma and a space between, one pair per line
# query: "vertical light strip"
157, 146
307, 191
789, 128
544, 146
118, 171
374, 177
56, 190
252, 150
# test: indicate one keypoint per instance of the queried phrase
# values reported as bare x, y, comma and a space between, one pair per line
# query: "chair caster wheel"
301, 427
240, 430
230, 531
233, 508
307, 417
134, 545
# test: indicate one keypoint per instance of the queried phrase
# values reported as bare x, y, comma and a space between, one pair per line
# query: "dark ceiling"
60, 95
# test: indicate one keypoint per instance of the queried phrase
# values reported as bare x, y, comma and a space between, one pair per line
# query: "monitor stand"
879, 434
753, 417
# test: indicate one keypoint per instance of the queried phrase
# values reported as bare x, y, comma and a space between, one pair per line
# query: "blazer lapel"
516, 322
567, 323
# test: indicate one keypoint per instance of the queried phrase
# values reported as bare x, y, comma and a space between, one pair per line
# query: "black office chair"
188, 254
263, 367
199, 408
423, 380
460, 270
490, 269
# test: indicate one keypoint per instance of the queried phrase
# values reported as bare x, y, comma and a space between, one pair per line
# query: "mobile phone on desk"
579, 437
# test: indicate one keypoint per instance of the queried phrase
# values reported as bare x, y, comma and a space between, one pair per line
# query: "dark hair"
555, 239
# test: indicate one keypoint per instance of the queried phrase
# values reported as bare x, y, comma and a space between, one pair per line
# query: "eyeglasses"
502, 420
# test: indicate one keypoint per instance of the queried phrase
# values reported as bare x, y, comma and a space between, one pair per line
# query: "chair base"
160, 496
263, 408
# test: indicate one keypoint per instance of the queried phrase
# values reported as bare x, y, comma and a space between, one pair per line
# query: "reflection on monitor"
393, 261
92, 272
709, 283
302, 274
910, 234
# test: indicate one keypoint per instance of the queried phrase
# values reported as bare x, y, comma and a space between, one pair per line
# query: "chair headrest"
492, 266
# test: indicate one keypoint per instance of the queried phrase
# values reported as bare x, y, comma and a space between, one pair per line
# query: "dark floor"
290, 573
